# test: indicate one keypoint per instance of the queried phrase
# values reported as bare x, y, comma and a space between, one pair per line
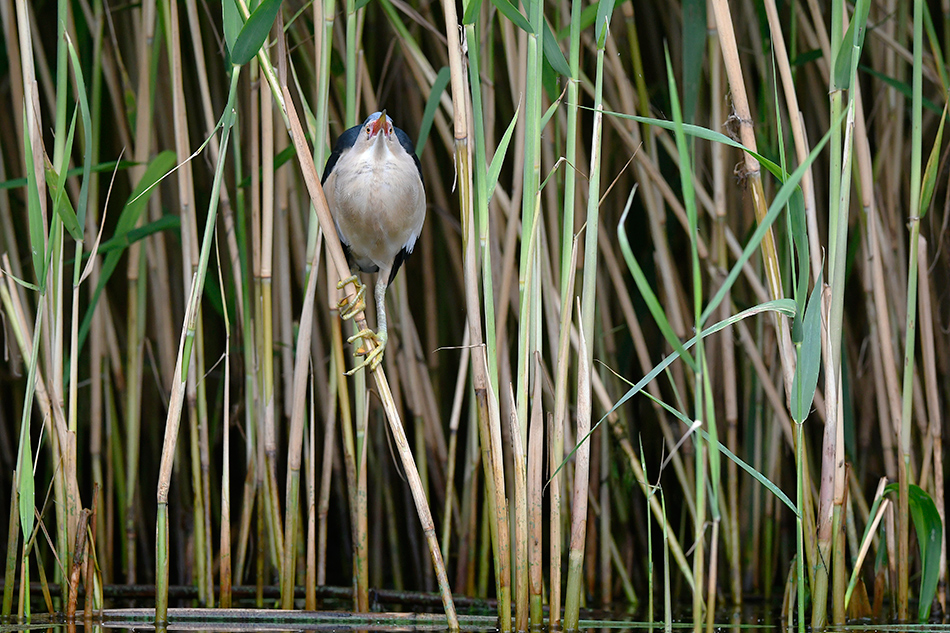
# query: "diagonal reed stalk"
528, 110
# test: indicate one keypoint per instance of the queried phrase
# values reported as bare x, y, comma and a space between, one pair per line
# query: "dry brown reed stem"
360, 529
581, 473
726, 345
604, 537
798, 132
136, 328
224, 552
521, 520
342, 395
30, 99
323, 502
885, 340
79, 557
244, 525
461, 384
534, 500
17, 87
557, 439
489, 423
730, 53
295, 436
880, 390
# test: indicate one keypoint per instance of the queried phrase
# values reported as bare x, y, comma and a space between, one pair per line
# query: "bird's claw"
350, 309
372, 357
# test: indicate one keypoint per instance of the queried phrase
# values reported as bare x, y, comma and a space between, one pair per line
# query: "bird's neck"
380, 151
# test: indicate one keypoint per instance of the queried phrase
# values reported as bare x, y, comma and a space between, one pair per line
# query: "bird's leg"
374, 356
351, 309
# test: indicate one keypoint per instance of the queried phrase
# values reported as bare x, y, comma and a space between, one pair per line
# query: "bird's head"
376, 140
376, 123
379, 138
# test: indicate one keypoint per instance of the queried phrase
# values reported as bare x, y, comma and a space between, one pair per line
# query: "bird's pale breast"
378, 205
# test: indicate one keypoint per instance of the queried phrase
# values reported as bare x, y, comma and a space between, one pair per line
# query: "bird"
376, 195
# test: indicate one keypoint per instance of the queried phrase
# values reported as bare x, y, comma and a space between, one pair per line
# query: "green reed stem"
184, 357
910, 335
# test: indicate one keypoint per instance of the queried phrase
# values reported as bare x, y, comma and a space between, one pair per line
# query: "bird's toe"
350, 308
371, 357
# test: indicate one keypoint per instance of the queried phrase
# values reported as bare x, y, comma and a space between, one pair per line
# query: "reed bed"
674, 329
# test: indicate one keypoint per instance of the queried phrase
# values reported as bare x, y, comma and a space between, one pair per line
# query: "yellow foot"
348, 309
372, 357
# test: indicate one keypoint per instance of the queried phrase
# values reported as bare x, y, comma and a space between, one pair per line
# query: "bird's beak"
379, 125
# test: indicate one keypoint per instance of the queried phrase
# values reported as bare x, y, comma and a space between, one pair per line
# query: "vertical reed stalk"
451, 462
751, 171
568, 270
534, 501
579, 506
224, 600
910, 339
184, 358
136, 290
489, 427
521, 520
301, 373
581, 474
528, 322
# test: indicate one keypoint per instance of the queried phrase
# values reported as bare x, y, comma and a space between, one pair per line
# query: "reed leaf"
86, 118
432, 105
929, 529
809, 358
34, 212
766, 483
929, 179
785, 307
509, 10
553, 53
254, 32
498, 159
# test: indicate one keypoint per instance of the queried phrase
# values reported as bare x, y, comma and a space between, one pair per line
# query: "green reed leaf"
809, 357
34, 211
494, 170
232, 20
605, 9
553, 53
57, 185
432, 106
929, 529
516, 17
254, 32
929, 181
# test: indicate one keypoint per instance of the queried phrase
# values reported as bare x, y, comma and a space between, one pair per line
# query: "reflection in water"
751, 617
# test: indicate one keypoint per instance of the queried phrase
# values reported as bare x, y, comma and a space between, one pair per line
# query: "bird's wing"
401, 256
406, 250
345, 142
407, 145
